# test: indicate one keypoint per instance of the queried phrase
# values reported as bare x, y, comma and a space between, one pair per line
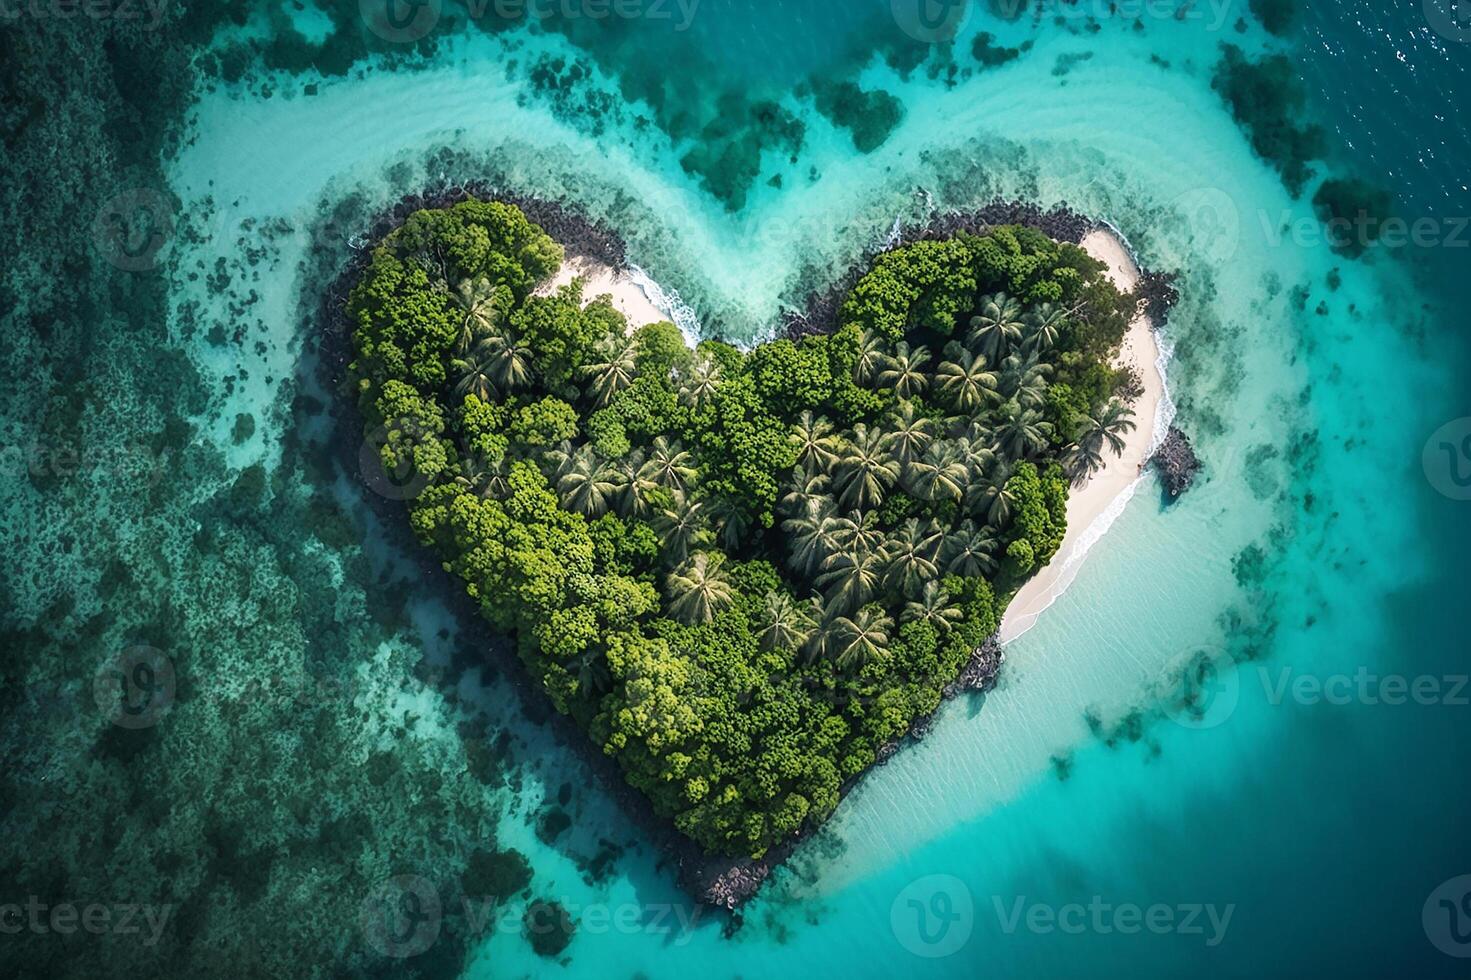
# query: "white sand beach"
1093, 507
601, 279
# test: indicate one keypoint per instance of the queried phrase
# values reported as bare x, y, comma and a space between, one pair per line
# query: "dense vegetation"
742, 573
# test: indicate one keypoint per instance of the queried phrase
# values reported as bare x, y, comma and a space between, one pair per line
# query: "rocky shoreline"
713, 880
1176, 462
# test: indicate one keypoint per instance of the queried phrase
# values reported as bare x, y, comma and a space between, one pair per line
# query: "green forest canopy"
741, 573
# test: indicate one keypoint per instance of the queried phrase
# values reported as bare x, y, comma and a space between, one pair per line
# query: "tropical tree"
1106, 429
588, 485
699, 590
968, 550
483, 307
809, 537
910, 557
486, 478
1109, 427
940, 474
851, 579
904, 371
1021, 433
1024, 380
908, 433
933, 607
812, 437
681, 529
732, 522
997, 327
613, 369
965, 383
808, 485
669, 465
591, 670
509, 361
635, 487
865, 471
1044, 325
871, 358
477, 375
862, 639
994, 498
787, 625
699, 382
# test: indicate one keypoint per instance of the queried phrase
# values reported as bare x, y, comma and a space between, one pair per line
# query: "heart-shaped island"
743, 574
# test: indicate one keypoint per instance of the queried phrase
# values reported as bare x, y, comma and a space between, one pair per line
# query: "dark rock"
979, 673
1176, 462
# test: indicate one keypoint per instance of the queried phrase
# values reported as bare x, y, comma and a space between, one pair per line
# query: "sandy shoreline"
1091, 509
600, 279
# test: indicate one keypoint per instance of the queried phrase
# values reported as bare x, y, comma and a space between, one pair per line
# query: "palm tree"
997, 328
592, 672
635, 488
865, 471
1108, 428
699, 382
871, 358
681, 529
909, 433
904, 372
477, 375
814, 441
612, 370
1044, 324
808, 485
810, 537
699, 590
965, 383
1022, 433
510, 361
733, 524
669, 465
485, 478
588, 485
996, 498
910, 556
863, 639
1024, 380
788, 625
969, 549
940, 474
854, 533
1081, 461
933, 607
851, 578
483, 307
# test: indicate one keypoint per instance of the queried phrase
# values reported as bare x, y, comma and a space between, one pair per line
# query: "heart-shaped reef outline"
744, 575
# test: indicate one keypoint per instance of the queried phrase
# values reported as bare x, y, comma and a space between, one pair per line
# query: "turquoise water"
1275, 836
